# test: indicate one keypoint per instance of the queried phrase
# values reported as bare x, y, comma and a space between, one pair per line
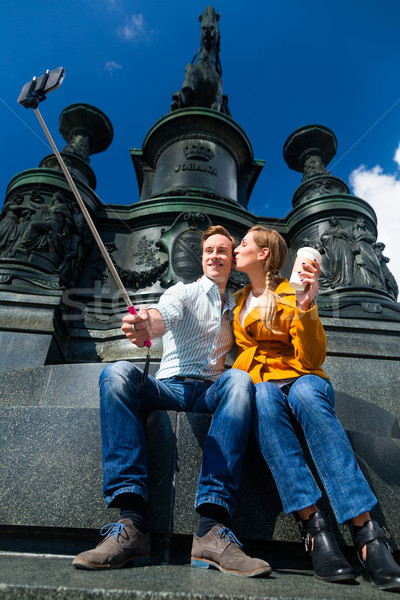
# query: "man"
195, 322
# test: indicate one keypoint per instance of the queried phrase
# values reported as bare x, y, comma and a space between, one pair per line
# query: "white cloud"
112, 66
382, 191
133, 29
396, 156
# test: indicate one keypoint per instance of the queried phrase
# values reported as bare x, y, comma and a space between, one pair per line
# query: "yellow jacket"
298, 350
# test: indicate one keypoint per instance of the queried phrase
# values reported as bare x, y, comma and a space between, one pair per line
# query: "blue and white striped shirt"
198, 334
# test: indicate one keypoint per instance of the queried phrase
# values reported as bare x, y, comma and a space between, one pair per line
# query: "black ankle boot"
328, 561
380, 566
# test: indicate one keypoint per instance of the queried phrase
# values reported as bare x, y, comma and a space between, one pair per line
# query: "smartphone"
35, 91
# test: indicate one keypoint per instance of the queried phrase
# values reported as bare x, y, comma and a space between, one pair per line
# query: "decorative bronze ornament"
182, 244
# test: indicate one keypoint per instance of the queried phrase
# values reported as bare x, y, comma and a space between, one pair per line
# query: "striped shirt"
198, 333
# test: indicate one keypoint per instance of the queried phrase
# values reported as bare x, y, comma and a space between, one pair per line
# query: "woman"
281, 343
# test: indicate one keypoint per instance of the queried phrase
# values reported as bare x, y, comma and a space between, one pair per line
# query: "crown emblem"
199, 151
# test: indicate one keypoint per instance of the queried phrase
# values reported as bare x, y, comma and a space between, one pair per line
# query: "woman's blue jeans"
230, 399
310, 400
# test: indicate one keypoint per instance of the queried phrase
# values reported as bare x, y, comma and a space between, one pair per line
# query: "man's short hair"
215, 230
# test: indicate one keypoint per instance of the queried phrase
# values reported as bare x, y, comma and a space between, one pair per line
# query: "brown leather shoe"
220, 548
123, 544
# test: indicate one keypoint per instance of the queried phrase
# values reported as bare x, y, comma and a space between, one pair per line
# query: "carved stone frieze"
191, 194
319, 186
49, 232
146, 253
29, 280
313, 164
17, 214
371, 307
351, 257
137, 278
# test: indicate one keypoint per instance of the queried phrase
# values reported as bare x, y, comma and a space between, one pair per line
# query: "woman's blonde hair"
271, 239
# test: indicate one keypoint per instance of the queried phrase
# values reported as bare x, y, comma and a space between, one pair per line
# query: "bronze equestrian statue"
202, 85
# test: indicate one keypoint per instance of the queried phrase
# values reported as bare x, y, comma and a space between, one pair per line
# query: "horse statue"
202, 85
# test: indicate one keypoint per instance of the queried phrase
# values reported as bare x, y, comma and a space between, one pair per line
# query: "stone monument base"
51, 473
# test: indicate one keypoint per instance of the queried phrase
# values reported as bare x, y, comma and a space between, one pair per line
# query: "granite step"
51, 577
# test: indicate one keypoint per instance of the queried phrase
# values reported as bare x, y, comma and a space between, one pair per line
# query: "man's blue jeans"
230, 399
310, 400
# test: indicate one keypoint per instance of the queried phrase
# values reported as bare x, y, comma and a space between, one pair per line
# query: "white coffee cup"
304, 255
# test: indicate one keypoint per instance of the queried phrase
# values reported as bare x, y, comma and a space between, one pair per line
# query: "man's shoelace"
112, 529
226, 534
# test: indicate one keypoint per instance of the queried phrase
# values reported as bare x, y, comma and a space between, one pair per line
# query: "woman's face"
249, 255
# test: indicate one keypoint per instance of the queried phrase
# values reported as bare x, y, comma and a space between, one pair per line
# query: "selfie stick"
31, 95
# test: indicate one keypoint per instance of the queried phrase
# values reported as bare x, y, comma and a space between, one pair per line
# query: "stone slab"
51, 468
74, 385
357, 414
374, 380
23, 350
363, 338
53, 578
28, 312
24, 387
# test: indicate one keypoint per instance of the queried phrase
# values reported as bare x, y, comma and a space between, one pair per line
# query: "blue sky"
285, 64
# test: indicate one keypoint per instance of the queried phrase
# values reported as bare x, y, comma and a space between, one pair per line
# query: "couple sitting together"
277, 377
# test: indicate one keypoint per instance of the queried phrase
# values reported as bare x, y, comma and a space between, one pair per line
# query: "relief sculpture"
11, 223
390, 282
147, 255
367, 267
351, 257
337, 243
52, 235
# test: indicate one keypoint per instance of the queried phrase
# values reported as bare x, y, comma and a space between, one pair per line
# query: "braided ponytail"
271, 239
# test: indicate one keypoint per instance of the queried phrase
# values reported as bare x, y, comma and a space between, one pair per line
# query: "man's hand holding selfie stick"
145, 325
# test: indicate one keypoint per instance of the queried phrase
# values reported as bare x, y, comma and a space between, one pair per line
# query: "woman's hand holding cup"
304, 278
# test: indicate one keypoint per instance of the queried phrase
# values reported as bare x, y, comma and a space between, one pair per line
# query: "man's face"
217, 258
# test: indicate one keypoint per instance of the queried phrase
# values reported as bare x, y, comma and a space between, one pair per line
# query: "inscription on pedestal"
196, 163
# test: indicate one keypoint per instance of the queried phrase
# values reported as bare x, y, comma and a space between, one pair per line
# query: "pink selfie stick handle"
132, 311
